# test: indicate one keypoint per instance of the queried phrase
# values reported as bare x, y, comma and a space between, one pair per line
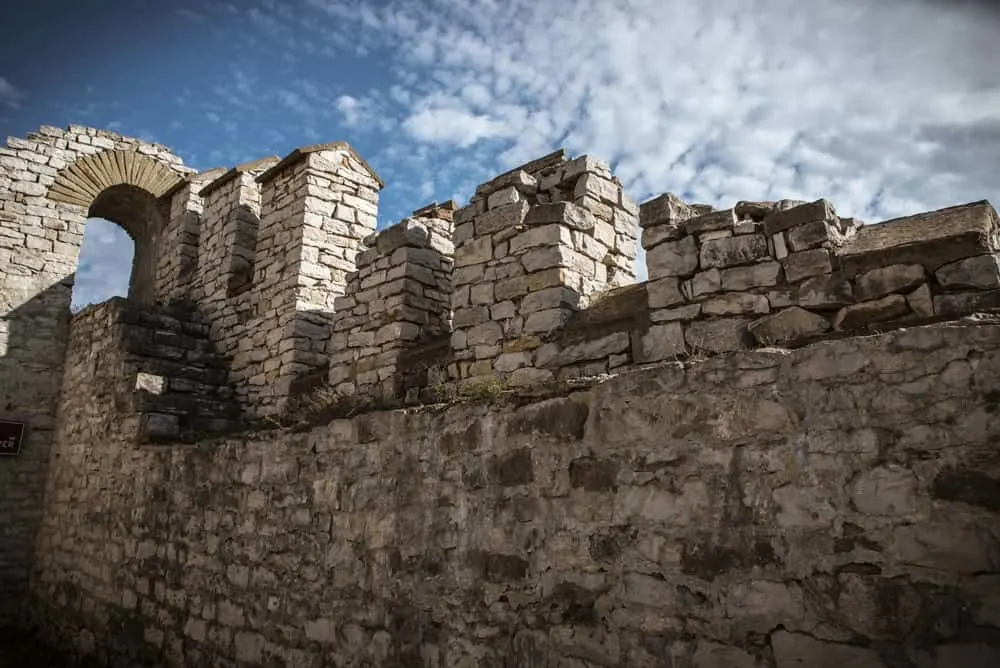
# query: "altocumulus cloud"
886, 108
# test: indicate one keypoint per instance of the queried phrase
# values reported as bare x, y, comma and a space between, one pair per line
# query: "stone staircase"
181, 390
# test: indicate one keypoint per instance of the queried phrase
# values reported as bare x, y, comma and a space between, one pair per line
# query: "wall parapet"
398, 298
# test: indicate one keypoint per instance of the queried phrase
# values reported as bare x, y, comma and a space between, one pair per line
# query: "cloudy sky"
886, 108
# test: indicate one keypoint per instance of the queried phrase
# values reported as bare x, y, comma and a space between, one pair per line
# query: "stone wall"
827, 506
767, 273
397, 300
47, 182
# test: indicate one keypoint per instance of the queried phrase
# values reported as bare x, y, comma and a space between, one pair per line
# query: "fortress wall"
831, 505
398, 298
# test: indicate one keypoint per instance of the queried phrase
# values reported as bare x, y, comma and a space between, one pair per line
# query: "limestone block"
751, 276
807, 263
659, 342
666, 210
733, 251
870, 312
508, 195
921, 302
664, 292
736, 303
781, 218
718, 335
932, 239
703, 283
787, 326
687, 312
779, 246
598, 187
673, 258
546, 321
503, 217
826, 291
566, 213
475, 251
813, 235
656, 234
981, 272
711, 222
753, 211
963, 303
884, 280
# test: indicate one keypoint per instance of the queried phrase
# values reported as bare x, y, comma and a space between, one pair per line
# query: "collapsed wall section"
533, 246
398, 298
766, 273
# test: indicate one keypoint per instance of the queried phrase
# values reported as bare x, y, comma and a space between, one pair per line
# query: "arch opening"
118, 255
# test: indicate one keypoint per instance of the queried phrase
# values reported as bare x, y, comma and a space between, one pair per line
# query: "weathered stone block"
717, 335
711, 222
981, 272
733, 251
667, 209
751, 276
787, 326
781, 219
879, 310
807, 263
826, 291
565, 213
659, 342
500, 218
884, 280
664, 292
672, 258
703, 283
964, 303
735, 304
932, 239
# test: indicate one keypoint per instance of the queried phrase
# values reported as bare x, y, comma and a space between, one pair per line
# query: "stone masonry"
777, 451
834, 505
534, 245
399, 297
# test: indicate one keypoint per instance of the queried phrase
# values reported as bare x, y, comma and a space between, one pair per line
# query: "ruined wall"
832, 505
44, 200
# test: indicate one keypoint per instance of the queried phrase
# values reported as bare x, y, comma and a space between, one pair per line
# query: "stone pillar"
399, 297
317, 206
532, 247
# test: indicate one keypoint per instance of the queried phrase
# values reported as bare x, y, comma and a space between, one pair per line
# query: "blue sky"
885, 108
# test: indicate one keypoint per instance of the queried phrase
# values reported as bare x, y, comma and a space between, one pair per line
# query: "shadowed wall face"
832, 505
49, 184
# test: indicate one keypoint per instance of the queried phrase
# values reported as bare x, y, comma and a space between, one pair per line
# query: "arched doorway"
51, 183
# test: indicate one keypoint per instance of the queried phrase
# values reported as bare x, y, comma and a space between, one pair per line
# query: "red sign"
11, 437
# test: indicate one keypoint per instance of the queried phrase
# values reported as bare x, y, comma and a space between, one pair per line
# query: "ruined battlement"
532, 281
711, 467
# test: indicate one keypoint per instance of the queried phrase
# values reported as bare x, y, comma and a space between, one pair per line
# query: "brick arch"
86, 178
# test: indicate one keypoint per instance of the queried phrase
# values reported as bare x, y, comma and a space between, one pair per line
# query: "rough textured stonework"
828, 506
830, 502
40, 239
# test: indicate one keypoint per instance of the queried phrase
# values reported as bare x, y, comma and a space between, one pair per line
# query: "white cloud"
458, 127
105, 264
718, 101
9, 94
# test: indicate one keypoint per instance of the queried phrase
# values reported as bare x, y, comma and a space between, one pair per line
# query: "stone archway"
123, 187
50, 183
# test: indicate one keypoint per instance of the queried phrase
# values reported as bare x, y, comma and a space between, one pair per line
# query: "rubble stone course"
777, 451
